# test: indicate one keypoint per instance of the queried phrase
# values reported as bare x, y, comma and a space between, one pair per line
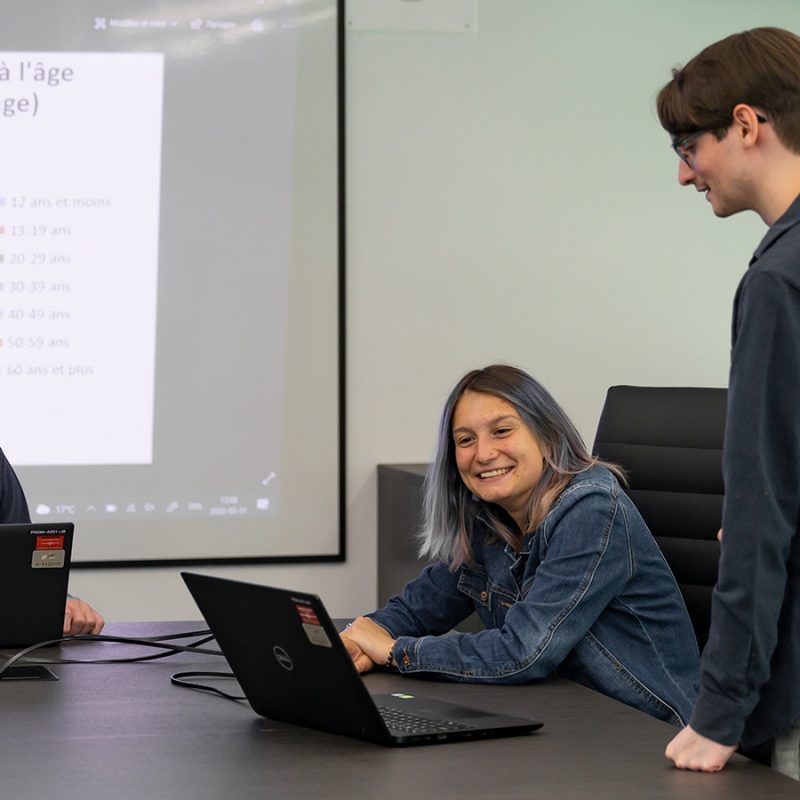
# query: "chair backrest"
669, 441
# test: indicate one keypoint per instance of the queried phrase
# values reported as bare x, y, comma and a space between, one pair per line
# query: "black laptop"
34, 572
288, 658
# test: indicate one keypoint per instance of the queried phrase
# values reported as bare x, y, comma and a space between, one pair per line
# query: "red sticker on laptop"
307, 614
311, 625
50, 541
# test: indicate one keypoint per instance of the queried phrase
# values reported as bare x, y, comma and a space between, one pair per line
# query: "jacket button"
406, 659
484, 596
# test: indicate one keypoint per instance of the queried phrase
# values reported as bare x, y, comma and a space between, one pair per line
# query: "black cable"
194, 647
163, 642
157, 642
101, 637
144, 643
178, 680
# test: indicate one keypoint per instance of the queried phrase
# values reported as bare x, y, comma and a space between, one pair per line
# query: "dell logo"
283, 658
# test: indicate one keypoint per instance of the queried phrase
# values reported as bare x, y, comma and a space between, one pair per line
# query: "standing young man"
734, 116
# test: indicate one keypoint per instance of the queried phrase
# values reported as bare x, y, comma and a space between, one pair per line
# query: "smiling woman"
536, 536
497, 455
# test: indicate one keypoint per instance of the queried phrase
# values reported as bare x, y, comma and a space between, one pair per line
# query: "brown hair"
760, 67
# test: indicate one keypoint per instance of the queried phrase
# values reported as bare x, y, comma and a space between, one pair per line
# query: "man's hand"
367, 642
690, 750
80, 618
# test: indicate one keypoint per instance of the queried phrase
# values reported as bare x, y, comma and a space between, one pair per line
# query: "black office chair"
669, 441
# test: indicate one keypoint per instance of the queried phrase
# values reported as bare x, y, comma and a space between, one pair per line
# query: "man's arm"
81, 619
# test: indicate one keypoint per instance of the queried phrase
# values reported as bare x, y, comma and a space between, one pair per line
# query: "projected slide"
169, 284
79, 225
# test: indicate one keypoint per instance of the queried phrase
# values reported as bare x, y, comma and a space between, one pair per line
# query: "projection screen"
171, 259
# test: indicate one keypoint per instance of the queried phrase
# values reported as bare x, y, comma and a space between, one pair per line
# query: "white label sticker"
47, 559
316, 635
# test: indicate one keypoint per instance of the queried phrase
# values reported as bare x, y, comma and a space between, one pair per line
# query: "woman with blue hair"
526, 528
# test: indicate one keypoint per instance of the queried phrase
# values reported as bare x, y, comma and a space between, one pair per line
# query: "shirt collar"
790, 218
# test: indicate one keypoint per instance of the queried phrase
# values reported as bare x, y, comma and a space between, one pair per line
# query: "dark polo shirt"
750, 682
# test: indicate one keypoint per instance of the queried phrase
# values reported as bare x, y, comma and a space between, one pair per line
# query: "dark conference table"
123, 731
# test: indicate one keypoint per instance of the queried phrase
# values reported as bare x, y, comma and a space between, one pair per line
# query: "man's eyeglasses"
684, 146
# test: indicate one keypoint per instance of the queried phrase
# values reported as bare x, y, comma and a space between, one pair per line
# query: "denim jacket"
588, 596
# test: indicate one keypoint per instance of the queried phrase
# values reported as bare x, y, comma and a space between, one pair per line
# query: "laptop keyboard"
411, 723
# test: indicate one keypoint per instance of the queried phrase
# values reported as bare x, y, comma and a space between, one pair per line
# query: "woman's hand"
367, 643
362, 662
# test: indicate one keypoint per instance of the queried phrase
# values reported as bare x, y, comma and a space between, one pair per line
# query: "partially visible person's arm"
429, 604
432, 603
81, 619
